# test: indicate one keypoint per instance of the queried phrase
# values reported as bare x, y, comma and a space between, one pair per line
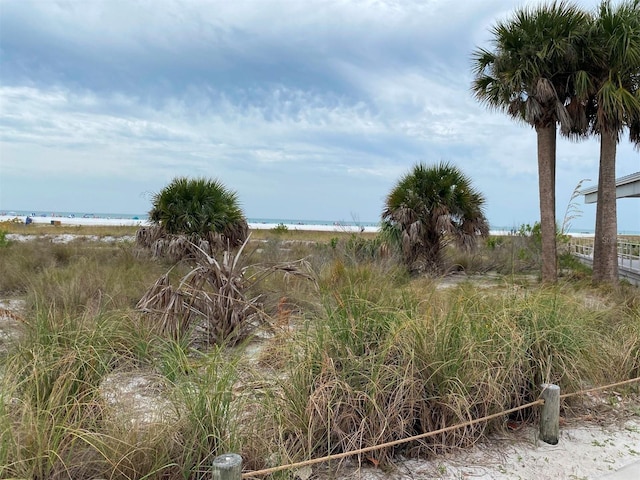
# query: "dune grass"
363, 355
63, 229
381, 365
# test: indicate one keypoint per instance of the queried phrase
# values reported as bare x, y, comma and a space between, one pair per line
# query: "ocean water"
145, 216
276, 221
38, 213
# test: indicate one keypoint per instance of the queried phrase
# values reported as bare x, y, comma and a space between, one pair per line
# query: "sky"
308, 109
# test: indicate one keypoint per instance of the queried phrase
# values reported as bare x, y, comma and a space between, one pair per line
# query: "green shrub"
193, 211
280, 229
371, 355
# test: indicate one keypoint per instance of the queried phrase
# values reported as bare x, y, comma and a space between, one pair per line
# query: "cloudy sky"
309, 109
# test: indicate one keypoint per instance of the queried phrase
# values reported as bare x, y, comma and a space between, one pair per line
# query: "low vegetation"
354, 353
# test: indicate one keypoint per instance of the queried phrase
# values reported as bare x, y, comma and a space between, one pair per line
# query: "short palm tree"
529, 75
430, 206
192, 211
612, 99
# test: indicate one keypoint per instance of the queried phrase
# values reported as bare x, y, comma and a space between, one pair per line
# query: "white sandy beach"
95, 221
103, 221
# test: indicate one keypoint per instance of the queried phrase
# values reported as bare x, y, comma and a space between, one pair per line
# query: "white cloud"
333, 99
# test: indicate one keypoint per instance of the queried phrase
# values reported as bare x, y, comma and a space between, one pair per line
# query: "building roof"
626, 187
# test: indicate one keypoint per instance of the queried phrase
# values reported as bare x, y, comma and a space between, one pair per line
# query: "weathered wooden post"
550, 416
227, 467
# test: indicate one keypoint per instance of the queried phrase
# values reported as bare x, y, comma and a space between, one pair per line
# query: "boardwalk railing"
628, 256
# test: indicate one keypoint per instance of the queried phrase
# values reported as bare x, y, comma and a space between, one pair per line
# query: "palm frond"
430, 205
193, 211
535, 53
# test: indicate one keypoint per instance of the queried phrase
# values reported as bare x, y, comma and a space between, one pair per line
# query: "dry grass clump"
383, 364
291, 234
361, 354
49, 397
39, 229
510, 254
214, 297
58, 421
75, 274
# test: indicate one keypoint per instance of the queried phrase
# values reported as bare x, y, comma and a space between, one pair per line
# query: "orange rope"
388, 444
595, 389
338, 456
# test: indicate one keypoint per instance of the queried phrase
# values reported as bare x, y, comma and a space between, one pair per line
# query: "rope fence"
549, 426
595, 389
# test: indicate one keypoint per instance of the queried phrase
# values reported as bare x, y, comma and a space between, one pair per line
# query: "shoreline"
135, 222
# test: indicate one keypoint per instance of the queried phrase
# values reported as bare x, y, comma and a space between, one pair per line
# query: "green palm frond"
615, 67
529, 74
195, 211
428, 206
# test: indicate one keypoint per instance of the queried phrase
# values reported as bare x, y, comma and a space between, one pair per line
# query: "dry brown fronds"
212, 296
177, 247
545, 91
167, 304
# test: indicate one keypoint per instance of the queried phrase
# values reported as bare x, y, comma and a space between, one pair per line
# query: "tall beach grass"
363, 355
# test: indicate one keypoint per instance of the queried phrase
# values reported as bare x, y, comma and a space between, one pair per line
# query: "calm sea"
276, 221
74, 214
144, 216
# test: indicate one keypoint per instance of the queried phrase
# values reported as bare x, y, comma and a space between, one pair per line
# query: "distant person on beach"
28, 220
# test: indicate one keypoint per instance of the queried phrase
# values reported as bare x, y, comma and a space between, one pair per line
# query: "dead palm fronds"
167, 304
213, 297
181, 246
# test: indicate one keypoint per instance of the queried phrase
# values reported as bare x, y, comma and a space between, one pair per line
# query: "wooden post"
227, 467
550, 416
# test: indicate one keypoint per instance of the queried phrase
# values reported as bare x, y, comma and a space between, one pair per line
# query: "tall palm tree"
430, 206
612, 99
529, 76
196, 211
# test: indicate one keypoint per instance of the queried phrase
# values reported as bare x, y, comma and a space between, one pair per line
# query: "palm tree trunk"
605, 245
547, 190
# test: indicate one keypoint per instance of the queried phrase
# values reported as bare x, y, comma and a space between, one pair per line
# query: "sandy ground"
253, 225
75, 220
134, 222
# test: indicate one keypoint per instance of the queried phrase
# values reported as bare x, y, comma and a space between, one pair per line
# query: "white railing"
628, 252
629, 255
582, 247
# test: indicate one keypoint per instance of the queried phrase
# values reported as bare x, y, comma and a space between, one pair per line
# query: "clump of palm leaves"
213, 297
193, 213
428, 208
